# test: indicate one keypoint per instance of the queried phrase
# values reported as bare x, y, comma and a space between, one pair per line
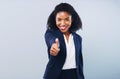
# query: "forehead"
63, 14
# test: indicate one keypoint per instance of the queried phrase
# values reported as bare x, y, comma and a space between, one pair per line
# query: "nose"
62, 23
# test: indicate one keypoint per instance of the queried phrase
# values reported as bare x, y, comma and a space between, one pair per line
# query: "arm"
49, 38
52, 43
81, 59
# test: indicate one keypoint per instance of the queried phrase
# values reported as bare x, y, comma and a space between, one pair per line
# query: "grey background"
23, 52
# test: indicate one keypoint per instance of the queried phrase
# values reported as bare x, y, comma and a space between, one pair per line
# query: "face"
63, 21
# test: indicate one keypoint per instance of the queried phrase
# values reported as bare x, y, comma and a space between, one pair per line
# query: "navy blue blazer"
55, 63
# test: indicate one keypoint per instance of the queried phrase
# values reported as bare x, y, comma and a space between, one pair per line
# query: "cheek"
57, 24
68, 23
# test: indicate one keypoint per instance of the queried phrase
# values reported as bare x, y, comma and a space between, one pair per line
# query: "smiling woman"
63, 22
64, 45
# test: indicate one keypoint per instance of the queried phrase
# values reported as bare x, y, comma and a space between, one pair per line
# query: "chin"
63, 31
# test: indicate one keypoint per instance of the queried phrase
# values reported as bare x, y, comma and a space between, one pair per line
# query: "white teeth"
62, 27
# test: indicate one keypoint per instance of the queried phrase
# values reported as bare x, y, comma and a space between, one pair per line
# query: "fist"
54, 50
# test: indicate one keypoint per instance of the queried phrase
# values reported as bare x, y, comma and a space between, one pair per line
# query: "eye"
67, 19
58, 19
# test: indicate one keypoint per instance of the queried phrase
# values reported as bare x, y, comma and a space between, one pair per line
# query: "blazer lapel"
76, 42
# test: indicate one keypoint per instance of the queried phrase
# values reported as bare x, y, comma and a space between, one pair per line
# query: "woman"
64, 45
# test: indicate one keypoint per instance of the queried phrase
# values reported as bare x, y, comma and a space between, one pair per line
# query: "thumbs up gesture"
54, 50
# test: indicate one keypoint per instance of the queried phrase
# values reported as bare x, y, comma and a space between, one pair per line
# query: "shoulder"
49, 31
77, 36
56, 33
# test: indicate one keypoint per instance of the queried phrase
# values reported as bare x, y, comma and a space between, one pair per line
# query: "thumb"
57, 41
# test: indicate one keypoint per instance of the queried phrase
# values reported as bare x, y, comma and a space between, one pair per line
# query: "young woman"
64, 45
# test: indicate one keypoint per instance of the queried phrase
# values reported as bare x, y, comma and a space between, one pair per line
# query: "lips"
62, 27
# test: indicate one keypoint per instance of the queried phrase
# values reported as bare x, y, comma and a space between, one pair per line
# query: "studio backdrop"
23, 51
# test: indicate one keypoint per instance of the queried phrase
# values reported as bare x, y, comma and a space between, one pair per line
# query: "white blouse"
70, 62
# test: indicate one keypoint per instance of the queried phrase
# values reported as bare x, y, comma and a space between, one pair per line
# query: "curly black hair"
76, 21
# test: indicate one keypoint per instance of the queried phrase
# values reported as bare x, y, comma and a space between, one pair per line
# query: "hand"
54, 50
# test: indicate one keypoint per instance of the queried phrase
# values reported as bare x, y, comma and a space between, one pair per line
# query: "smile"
62, 27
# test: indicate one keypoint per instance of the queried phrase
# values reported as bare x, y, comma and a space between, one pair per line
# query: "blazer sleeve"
81, 59
81, 56
49, 38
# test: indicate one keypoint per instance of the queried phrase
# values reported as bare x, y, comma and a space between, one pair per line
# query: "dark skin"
63, 22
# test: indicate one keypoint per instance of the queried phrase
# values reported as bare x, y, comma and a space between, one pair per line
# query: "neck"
67, 35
